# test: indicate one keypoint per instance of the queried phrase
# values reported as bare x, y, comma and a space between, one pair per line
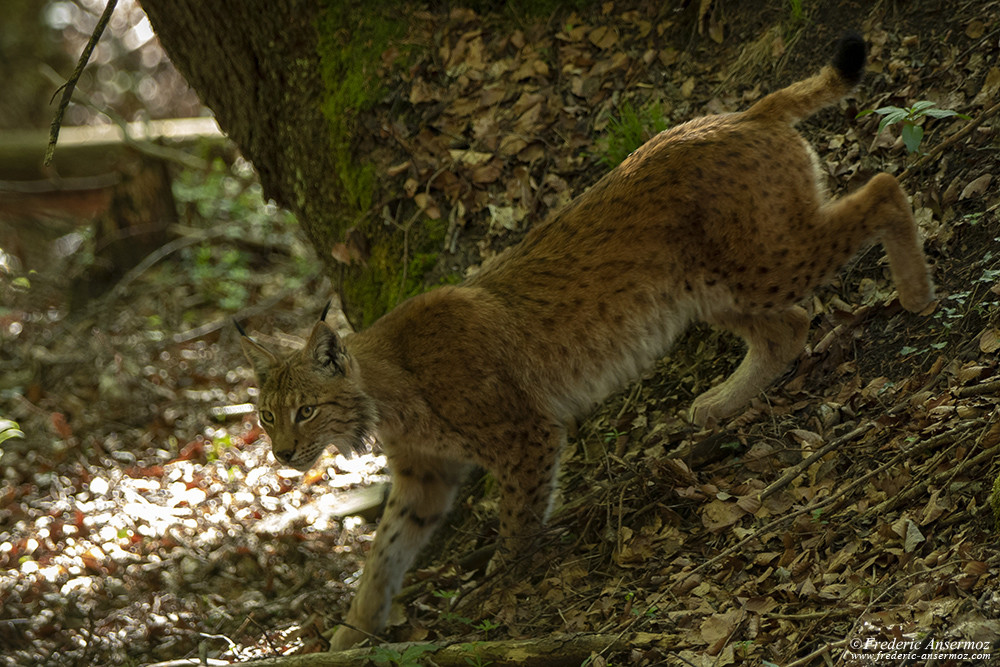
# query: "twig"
902, 580
777, 523
990, 388
70, 85
205, 329
191, 662
144, 147
958, 136
947, 438
825, 648
794, 472
152, 258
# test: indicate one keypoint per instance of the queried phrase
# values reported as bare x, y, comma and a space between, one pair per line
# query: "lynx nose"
284, 456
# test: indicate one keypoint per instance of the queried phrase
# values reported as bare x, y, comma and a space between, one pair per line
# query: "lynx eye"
304, 413
267, 416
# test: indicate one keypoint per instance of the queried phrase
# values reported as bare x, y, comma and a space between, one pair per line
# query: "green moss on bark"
352, 40
382, 282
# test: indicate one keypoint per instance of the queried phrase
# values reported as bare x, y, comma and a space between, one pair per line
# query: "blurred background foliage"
128, 73
113, 262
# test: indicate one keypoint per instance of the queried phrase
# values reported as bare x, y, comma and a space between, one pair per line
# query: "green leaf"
891, 118
415, 651
941, 113
9, 429
882, 111
920, 106
912, 135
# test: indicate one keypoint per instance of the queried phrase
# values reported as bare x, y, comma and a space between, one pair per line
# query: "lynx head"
311, 398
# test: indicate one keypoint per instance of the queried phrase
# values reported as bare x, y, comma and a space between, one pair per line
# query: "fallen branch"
798, 469
542, 652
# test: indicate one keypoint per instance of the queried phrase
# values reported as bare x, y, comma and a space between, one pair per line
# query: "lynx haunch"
723, 219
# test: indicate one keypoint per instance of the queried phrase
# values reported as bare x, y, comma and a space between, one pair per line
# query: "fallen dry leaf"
977, 187
975, 29
989, 342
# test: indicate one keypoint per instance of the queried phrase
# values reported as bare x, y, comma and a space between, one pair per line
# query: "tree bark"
258, 66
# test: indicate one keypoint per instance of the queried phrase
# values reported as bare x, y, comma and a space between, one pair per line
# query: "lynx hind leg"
880, 209
774, 339
421, 495
526, 492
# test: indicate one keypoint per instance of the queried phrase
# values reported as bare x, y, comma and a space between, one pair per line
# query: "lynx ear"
259, 356
326, 349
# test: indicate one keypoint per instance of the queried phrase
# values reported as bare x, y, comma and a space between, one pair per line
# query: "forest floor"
142, 518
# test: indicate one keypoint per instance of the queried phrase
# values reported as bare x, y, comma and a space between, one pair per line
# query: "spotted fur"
723, 219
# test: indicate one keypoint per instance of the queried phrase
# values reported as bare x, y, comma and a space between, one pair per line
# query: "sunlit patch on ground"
126, 558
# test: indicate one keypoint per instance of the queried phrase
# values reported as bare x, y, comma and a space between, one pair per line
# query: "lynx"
723, 219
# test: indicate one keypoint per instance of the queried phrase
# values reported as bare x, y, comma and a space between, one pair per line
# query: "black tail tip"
850, 58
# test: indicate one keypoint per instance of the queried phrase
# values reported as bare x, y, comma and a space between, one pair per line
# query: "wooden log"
551, 651
94, 150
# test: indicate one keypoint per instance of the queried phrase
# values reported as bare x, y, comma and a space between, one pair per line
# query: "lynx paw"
916, 302
709, 407
345, 637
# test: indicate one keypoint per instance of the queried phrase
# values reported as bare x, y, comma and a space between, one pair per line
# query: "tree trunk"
274, 75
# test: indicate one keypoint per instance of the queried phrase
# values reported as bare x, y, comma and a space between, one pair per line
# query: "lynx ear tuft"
240, 328
261, 358
326, 349
326, 309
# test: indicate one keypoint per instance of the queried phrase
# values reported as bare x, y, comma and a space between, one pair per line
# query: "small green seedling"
796, 10
485, 626
912, 133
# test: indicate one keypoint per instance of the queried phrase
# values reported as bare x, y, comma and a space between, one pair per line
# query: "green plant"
475, 659
612, 435
225, 209
220, 273
796, 10
912, 133
452, 616
485, 626
219, 444
630, 129
9, 429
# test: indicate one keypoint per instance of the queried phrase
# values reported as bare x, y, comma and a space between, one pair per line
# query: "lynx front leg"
422, 492
773, 340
